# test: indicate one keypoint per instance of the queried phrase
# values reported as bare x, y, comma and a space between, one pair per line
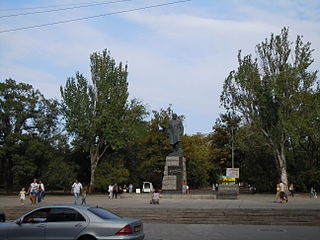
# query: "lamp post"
232, 148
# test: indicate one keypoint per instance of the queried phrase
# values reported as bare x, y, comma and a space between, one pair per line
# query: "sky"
177, 54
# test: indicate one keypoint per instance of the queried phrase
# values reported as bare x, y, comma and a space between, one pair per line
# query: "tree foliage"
154, 147
110, 174
98, 115
265, 90
28, 129
221, 141
196, 150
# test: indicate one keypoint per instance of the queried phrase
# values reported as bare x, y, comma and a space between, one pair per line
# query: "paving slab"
246, 201
227, 232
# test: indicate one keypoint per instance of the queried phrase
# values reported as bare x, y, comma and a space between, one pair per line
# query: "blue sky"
178, 54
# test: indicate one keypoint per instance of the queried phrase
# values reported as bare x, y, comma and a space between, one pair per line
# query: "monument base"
228, 191
175, 173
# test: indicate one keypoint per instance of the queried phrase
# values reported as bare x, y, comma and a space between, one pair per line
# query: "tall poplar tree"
265, 90
95, 113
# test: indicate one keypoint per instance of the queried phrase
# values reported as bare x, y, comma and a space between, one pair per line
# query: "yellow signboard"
228, 179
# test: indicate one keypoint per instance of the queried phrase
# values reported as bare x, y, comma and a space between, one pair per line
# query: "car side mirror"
19, 221
2, 217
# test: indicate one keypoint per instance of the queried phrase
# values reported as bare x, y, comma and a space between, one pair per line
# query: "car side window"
102, 213
40, 215
64, 215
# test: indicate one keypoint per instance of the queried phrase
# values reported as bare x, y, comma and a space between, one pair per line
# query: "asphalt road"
228, 232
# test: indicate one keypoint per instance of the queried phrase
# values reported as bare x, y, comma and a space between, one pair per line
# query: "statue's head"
174, 116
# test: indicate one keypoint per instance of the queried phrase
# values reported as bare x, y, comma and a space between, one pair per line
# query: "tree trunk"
282, 164
94, 163
280, 158
96, 153
8, 175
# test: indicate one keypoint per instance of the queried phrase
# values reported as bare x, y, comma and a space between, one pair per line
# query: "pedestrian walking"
187, 189
130, 188
22, 196
277, 193
125, 188
110, 190
33, 190
84, 197
283, 196
40, 192
43, 191
184, 187
76, 190
120, 189
313, 193
115, 191
291, 190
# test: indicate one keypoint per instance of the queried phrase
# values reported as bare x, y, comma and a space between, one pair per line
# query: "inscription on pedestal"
228, 191
174, 173
174, 170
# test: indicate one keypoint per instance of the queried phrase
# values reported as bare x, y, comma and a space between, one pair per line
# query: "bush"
107, 174
60, 175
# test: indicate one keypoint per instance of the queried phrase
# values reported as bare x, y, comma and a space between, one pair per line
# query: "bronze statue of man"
175, 131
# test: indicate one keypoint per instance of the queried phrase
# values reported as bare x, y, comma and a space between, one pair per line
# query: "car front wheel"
87, 237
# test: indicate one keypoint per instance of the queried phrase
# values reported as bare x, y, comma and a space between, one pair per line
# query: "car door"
64, 224
30, 227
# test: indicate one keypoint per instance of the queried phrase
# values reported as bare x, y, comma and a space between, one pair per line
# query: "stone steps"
209, 216
223, 216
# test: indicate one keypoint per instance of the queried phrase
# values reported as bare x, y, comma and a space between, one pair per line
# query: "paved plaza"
228, 232
245, 201
194, 203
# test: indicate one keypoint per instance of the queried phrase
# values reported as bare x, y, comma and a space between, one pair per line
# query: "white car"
147, 187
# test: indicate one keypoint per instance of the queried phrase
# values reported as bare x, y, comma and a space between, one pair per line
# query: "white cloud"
179, 59
47, 83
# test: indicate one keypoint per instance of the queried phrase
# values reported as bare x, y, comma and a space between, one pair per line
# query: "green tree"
304, 161
60, 174
264, 90
98, 115
221, 141
154, 146
253, 157
305, 127
28, 127
196, 149
110, 174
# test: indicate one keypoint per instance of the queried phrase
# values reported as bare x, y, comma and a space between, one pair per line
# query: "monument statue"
175, 171
175, 131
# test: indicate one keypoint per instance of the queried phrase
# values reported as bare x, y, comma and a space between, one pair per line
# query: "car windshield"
102, 213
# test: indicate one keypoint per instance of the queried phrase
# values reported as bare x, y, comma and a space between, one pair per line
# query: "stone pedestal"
175, 173
228, 191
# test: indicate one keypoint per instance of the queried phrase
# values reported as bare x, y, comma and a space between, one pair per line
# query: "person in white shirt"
283, 196
33, 190
155, 197
110, 190
76, 189
22, 195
